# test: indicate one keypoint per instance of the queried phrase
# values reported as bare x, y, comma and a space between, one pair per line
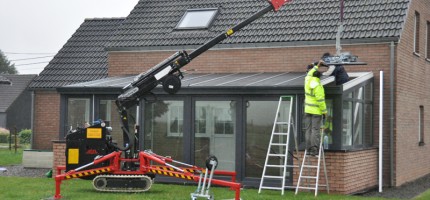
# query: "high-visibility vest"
314, 94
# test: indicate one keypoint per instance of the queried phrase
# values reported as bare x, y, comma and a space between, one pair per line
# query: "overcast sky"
39, 28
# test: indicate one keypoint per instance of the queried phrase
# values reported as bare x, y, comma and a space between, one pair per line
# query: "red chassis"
145, 158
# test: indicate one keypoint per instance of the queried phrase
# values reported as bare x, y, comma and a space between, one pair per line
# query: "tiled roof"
82, 58
9, 92
4, 80
152, 22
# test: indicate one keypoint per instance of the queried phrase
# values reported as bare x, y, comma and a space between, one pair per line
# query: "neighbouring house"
230, 93
15, 101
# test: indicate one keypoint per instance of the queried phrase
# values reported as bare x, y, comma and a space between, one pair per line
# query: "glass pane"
78, 113
368, 92
197, 19
258, 130
368, 125
347, 124
358, 124
108, 113
215, 126
328, 124
163, 128
358, 93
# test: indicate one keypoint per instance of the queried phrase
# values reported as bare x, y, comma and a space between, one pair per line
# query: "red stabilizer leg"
57, 188
237, 197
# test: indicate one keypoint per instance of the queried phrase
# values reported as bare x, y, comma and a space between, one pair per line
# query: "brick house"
239, 81
15, 101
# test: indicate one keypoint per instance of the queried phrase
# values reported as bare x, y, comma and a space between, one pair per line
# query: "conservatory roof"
221, 82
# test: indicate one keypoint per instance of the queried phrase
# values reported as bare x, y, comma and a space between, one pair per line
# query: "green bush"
24, 136
4, 135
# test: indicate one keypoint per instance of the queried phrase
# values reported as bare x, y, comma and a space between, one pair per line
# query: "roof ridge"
104, 18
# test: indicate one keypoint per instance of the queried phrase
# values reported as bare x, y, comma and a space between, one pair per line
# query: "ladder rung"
309, 177
310, 166
275, 166
271, 188
282, 122
276, 154
280, 177
280, 133
309, 188
319, 185
279, 144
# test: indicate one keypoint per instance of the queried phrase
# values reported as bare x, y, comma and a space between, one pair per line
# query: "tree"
5, 66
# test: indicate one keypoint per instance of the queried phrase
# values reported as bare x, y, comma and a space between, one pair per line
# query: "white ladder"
313, 180
279, 139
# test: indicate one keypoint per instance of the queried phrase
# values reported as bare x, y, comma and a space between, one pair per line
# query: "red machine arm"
277, 4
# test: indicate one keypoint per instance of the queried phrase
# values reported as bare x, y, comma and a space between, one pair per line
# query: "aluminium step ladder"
275, 166
313, 180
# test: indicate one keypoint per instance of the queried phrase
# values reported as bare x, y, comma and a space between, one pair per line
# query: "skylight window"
197, 18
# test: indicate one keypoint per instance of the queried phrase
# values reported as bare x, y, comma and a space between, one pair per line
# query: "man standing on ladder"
315, 109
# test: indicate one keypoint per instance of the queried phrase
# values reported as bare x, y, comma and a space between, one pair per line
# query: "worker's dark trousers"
312, 127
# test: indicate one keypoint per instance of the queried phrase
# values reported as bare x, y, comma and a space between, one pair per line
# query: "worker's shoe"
313, 151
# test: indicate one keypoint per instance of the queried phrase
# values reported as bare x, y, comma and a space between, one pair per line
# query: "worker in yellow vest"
315, 108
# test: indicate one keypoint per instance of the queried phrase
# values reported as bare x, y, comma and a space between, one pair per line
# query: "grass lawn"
423, 196
9, 157
44, 188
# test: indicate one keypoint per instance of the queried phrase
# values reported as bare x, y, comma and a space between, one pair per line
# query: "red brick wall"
59, 149
347, 172
292, 59
46, 119
412, 91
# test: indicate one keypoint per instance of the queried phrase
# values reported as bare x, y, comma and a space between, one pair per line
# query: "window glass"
109, 114
417, 33
368, 92
347, 124
358, 124
358, 93
197, 18
163, 122
421, 125
78, 113
328, 123
258, 131
215, 132
368, 125
428, 41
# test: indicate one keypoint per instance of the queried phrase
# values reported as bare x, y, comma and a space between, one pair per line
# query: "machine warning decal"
94, 133
73, 156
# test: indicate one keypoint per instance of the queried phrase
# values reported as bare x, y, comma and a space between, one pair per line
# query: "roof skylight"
197, 18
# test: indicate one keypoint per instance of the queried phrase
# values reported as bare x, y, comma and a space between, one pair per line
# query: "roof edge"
262, 45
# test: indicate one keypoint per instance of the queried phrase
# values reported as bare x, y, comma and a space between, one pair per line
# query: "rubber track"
122, 189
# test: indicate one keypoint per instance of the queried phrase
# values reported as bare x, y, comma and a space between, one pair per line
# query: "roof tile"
82, 58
